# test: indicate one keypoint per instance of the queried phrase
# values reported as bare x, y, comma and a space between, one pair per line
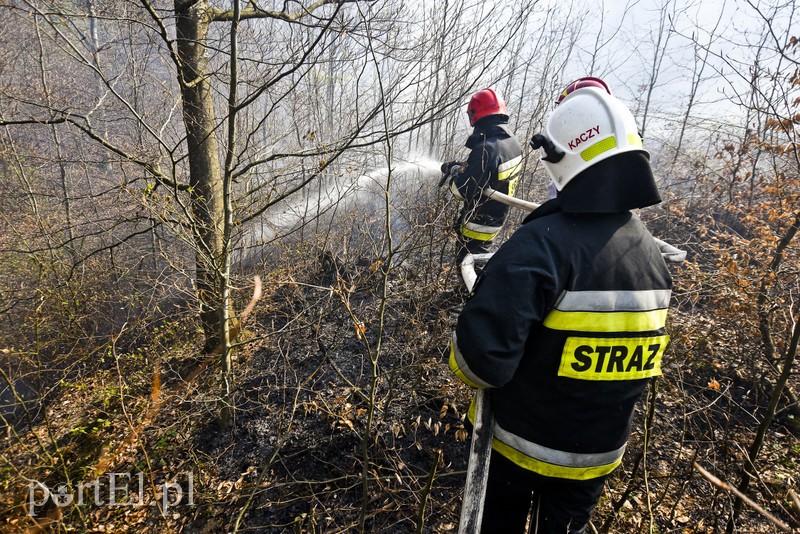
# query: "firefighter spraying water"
495, 161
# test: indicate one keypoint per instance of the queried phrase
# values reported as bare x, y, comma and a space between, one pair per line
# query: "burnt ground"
347, 419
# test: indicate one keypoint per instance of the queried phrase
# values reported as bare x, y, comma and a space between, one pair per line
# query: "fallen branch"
426, 491
795, 501
727, 487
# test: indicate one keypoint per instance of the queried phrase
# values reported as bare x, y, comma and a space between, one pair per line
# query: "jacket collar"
619, 183
481, 132
548, 208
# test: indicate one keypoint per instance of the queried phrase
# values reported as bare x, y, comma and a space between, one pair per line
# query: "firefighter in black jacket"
567, 322
495, 160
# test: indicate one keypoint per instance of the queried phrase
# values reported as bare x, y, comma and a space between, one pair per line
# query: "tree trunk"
205, 176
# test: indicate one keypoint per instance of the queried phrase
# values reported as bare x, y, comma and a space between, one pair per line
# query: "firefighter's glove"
449, 169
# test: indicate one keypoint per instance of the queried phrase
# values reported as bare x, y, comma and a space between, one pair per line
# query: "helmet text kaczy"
587, 126
585, 136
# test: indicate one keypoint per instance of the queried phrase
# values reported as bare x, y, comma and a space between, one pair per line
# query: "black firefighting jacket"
495, 160
567, 324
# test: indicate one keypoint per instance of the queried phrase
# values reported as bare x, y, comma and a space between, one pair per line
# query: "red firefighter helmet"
580, 83
484, 103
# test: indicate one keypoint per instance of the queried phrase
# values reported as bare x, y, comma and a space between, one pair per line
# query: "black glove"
448, 169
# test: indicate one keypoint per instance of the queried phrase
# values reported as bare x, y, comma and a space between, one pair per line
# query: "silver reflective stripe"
464, 368
510, 164
653, 299
482, 228
552, 456
509, 169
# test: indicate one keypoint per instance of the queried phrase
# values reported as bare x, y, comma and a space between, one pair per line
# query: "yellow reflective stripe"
478, 235
598, 148
593, 358
509, 168
459, 373
635, 140
548, 461
471, 409
454, 190
460, 368
552, 470
512, 186
625, 321
505, 175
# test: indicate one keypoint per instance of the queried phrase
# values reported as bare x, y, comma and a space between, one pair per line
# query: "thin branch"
162, 31
57, 120
347, 144
149, 167
255, 12
275, 79
727, 487
795, 500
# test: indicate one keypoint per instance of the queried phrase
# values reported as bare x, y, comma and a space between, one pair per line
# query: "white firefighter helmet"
588, 125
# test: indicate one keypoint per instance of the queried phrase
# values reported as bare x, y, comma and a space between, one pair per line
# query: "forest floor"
314, 447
